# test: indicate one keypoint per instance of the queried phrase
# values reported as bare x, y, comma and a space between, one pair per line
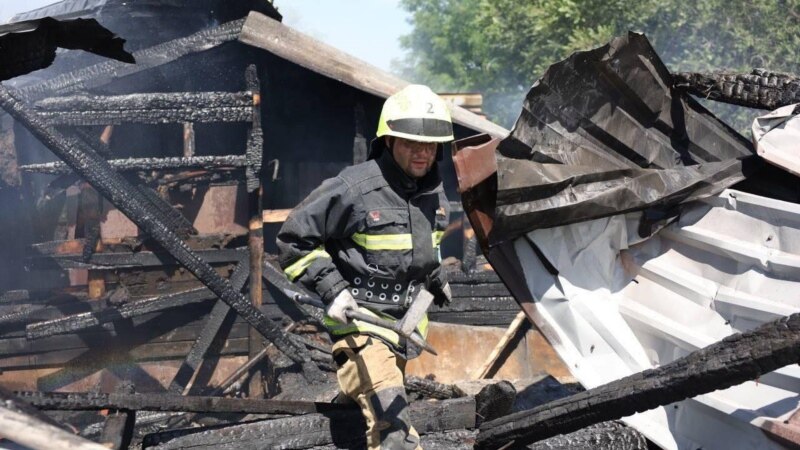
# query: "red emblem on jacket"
375, 216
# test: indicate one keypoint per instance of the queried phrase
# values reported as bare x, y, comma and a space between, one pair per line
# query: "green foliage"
500, 47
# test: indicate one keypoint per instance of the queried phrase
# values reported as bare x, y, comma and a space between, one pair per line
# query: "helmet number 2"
430, 108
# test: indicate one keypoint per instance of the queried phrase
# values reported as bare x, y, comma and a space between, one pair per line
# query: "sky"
367, 29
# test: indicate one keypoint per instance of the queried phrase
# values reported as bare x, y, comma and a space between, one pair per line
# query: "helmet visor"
422, 127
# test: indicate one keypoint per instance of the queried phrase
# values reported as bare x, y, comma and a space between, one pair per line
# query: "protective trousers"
372, 375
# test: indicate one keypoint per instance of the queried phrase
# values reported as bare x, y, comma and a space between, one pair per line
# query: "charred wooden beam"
758, 89
171, 217
432, 389
136, 164
479, 290
82, 321
602, 436
220, 314
255, 237
245, 368
155, 329
34, 433
734, 360
344, 428
178, 107
73, 401
106, 72
83, 362
118, 429
119, 260
13, 403
16, 296
495, 401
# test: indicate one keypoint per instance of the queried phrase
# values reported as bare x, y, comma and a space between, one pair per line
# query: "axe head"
415, 313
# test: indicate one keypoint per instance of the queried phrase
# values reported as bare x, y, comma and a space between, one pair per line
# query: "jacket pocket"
385, 239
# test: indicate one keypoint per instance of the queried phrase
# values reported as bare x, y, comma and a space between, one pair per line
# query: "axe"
405, 327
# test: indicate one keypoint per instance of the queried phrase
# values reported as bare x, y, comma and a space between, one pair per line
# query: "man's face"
415, 158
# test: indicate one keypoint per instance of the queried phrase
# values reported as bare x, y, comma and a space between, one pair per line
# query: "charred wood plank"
136, 164
602, 436
119, 260
476, 277
118, 429
171, 217
17, 296
156, 108
758, 89
221, 317
78, 322
106, 72
734, 360
157, 351
13, 403
432, 389
495, 401
73, 401
161, 333
344, 428
34, 433
255, 237
479, 290
220, 314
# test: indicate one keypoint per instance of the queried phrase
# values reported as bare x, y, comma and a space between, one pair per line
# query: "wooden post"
92, 211
501, 345
255, 242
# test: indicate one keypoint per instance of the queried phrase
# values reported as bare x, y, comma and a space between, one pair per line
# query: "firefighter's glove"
337, 310
443, 296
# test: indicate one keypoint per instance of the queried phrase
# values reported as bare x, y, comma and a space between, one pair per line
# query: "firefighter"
368, 239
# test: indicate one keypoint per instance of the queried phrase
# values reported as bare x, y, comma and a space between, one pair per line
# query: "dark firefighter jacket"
373, 230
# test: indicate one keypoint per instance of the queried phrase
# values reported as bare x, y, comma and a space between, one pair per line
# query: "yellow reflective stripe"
300, 266
392, 241
383, 241
337, 328
422, 327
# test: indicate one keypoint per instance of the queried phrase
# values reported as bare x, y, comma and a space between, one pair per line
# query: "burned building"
226, 121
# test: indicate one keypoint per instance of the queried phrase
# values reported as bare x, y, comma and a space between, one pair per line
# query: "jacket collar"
404, 184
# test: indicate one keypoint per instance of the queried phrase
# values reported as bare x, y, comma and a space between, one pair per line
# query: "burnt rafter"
345, 428
150, 108
74, 401
758, 89
82, 321
96, 170
734, 360
117, 260
106, 72
219, 315
135, 164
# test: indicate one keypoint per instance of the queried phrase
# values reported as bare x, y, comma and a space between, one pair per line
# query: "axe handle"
414, 337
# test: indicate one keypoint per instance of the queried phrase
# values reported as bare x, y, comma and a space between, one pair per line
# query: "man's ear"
389, 141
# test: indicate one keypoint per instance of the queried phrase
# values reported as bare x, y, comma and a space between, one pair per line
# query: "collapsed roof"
622, 216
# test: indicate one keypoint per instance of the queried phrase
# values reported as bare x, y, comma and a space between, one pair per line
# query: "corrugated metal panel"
620, 305
62, 10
